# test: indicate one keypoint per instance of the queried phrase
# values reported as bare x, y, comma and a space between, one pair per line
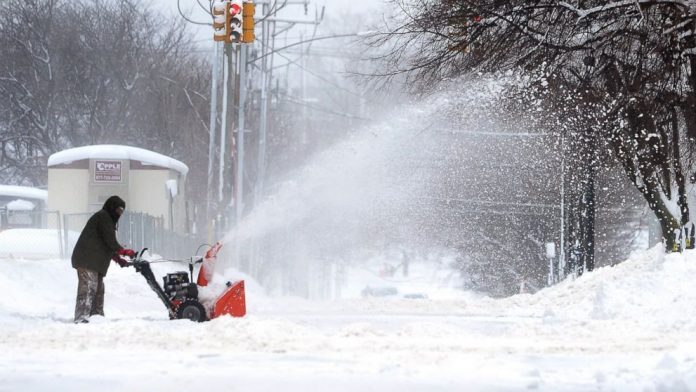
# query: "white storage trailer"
81, 179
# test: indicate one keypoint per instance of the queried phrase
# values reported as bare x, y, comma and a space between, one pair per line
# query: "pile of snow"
34, 243
45, 289
650, 286
20, 205
218, 285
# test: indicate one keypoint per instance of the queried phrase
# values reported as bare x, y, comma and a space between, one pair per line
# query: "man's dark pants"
90, 295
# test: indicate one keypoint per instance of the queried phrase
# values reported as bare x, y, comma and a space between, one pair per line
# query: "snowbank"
20, 205
649, 286
34, 243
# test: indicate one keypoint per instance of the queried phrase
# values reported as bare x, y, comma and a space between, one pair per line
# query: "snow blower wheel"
191, 310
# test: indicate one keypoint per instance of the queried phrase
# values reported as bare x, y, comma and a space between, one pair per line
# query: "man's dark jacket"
97, 242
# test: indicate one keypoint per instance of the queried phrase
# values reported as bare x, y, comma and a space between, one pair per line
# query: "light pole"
561, 253
212, 135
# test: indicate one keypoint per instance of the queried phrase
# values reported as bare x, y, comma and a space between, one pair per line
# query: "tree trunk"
668, 223
678, 170
581, 215
588, 221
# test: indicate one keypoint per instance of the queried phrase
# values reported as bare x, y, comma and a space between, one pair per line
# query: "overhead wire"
294, 62
209, 9
298, 101
186, 18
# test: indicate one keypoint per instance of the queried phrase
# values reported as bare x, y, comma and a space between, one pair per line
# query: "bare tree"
75, 73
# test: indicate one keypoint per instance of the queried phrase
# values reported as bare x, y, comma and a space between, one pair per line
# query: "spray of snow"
357, 198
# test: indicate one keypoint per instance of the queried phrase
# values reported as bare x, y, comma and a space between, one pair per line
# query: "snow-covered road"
631, 327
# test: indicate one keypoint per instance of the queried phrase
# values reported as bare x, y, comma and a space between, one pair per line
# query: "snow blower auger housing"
179, 294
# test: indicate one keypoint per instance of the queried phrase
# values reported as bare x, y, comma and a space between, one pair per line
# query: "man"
92, 255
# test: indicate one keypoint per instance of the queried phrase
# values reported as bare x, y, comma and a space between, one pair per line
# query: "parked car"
380, 291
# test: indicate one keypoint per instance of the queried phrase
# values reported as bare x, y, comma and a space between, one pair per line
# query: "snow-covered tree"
74, 73
628, 67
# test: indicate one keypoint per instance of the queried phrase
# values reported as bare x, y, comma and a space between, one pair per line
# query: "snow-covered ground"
34, 243
627, 328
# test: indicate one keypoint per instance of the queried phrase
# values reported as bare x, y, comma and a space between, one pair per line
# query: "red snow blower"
180, 295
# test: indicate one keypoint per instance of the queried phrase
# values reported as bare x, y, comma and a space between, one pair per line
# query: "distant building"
81, 179
21, 206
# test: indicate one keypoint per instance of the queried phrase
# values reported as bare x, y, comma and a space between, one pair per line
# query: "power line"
299, 102
186, 18
318, 76
311, 40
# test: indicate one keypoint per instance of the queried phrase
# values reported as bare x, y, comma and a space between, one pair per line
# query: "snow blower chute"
180, 295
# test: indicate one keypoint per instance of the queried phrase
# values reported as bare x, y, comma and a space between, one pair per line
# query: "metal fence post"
142, 230
128, 233
66, 240
62, 249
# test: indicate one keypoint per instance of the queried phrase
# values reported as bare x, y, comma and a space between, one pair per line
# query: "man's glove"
127, 252
120, 261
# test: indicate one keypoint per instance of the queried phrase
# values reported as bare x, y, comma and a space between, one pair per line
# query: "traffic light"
233, 23
248, 25
219, 21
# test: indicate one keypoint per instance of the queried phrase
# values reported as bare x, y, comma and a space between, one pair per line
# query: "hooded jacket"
97, 242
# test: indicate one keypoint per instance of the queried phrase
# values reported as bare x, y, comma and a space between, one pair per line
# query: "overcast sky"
333, 8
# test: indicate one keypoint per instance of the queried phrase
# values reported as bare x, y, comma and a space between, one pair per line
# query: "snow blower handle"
138, 259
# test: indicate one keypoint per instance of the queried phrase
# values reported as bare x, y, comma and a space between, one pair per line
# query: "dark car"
382, 291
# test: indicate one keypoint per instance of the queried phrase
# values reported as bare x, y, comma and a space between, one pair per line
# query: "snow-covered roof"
23, 192
20, 205
112, 151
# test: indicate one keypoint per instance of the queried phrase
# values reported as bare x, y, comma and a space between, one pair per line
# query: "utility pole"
211, 138
266, 77
223, 129
231, 26
246, 37
562, 258
239, 197
269, 33
303, 78
234, 24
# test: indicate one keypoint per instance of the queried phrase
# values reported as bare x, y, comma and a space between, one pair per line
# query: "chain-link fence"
44, 235
138, 230
32, 234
